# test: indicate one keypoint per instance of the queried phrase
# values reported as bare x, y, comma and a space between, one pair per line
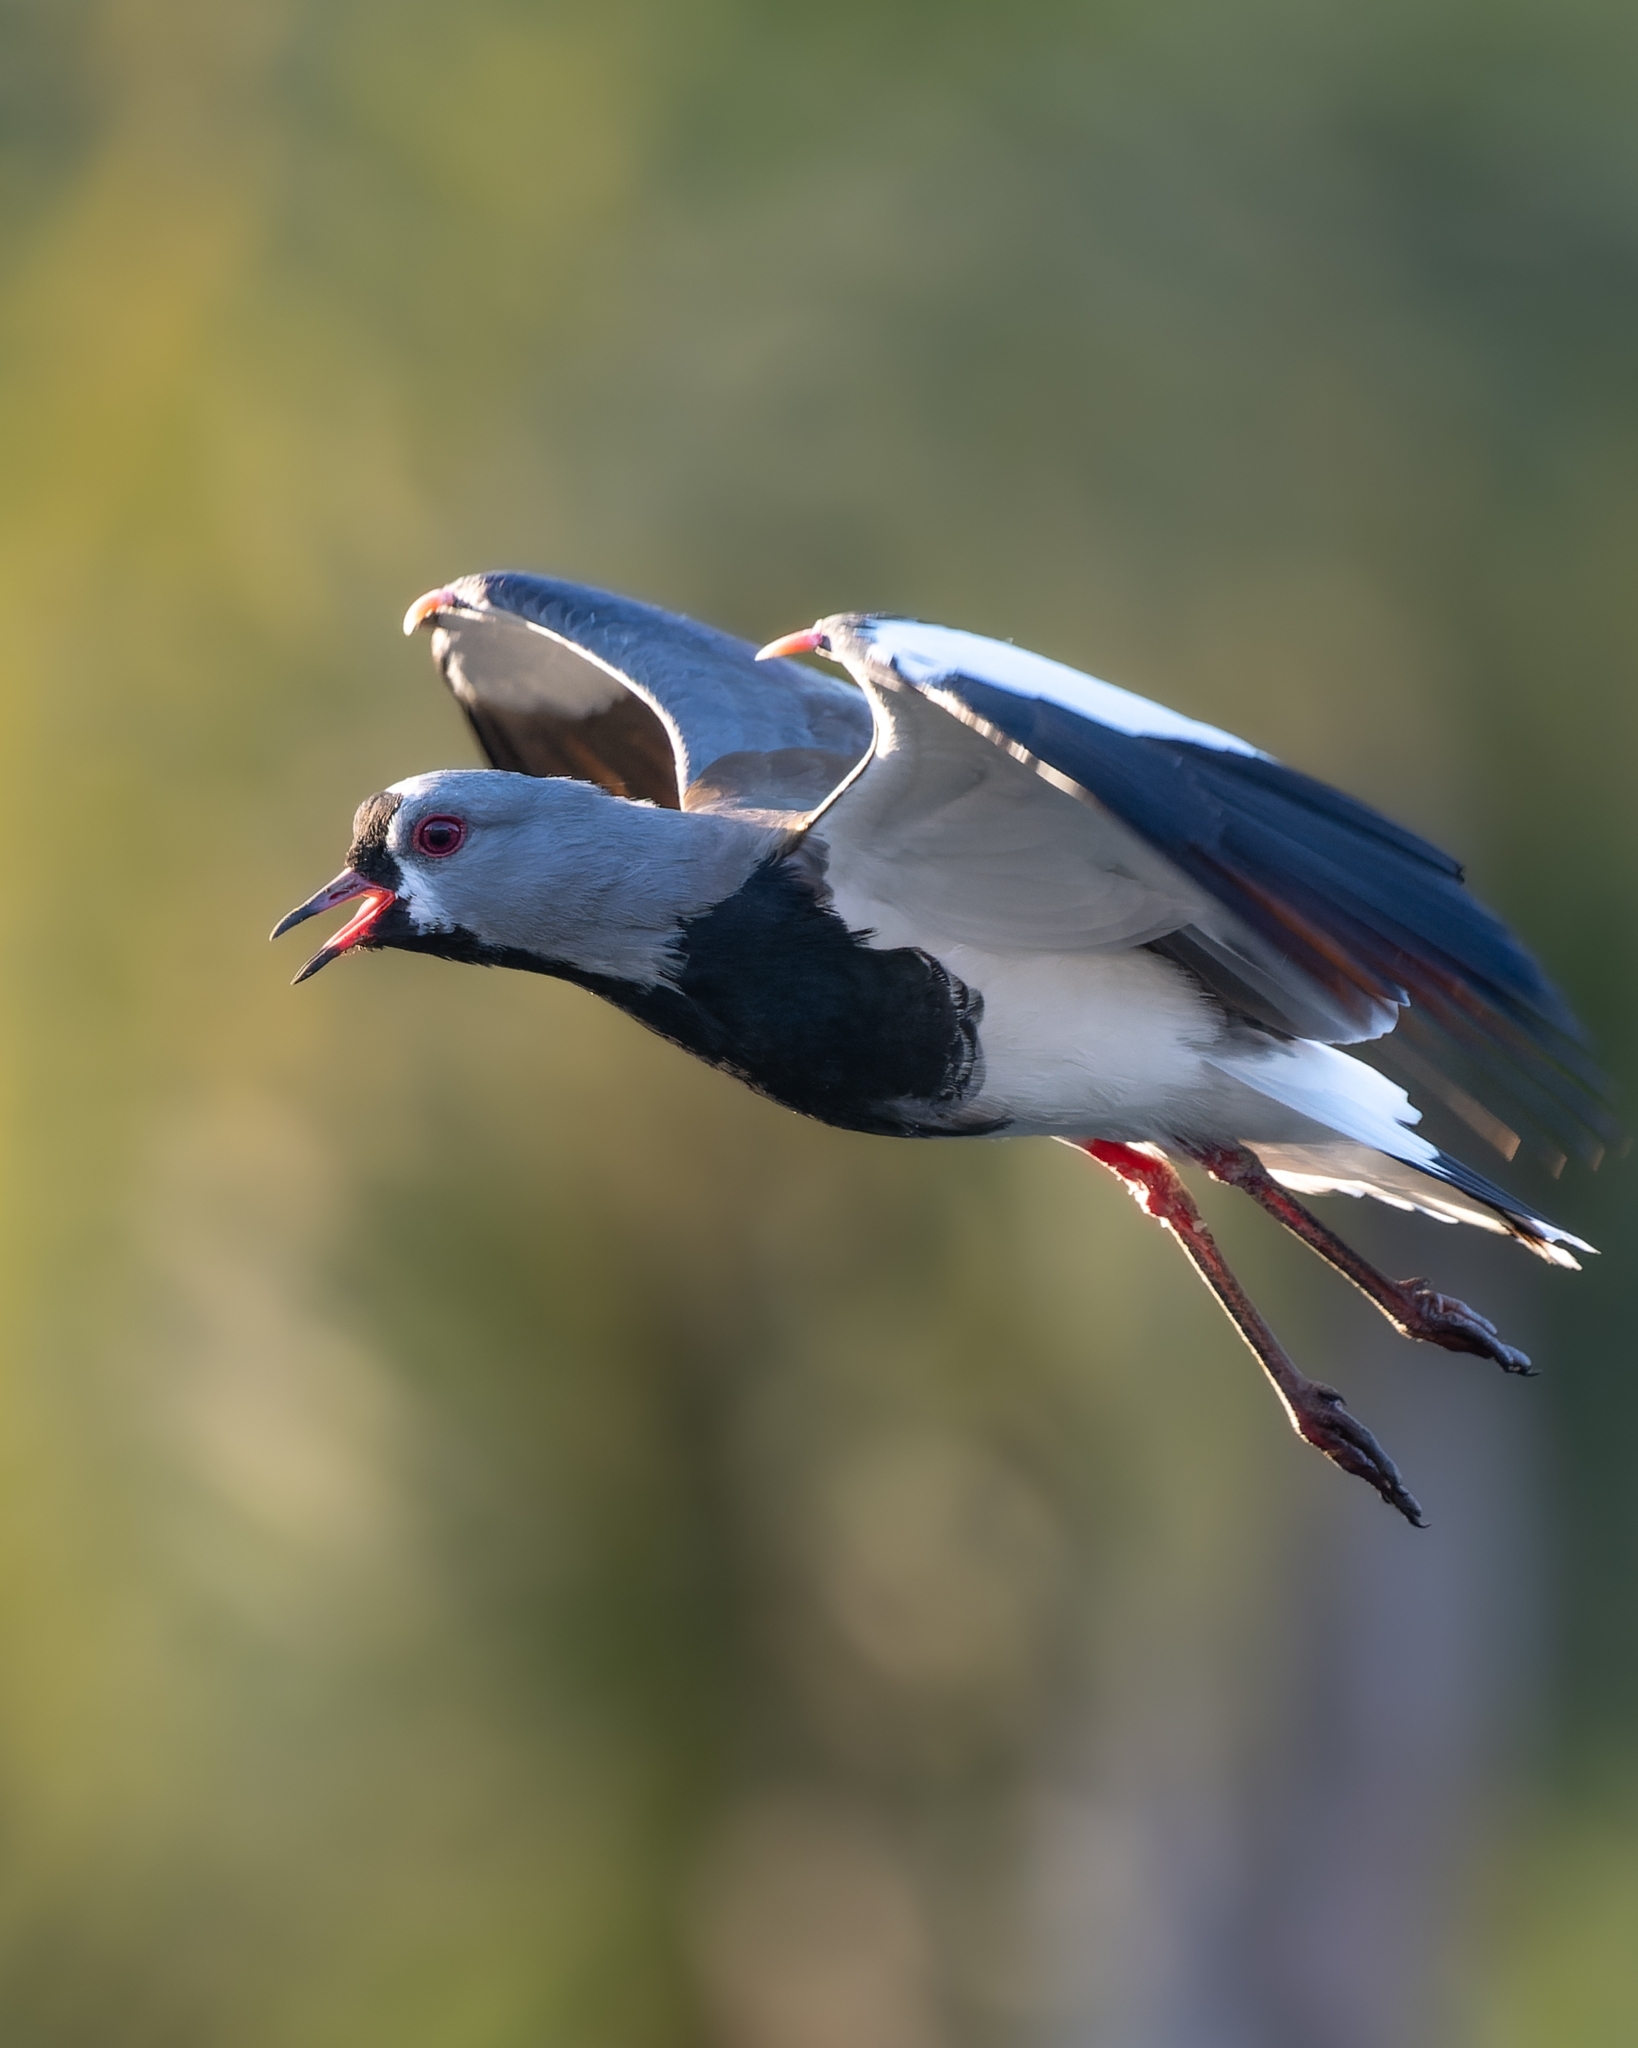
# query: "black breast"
773, 987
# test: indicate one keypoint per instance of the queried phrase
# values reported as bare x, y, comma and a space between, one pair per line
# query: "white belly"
1127, 1045
1092, 1045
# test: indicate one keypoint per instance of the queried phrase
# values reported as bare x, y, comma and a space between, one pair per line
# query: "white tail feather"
1378, 1153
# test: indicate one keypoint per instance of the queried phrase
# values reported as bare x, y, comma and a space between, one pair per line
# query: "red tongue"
358, 926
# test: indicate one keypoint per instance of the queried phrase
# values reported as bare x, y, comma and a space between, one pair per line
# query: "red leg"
1412, 1306
1316, 1412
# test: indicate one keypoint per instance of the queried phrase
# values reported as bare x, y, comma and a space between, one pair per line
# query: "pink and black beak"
359, 928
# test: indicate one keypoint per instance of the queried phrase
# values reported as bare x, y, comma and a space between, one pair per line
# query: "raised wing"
947, 840
1306, 909
559, 679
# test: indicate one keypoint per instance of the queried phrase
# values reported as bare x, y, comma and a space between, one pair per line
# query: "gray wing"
954, 836
556, 678
945, 839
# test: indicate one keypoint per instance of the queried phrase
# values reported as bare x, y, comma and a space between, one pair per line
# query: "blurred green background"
506, 1539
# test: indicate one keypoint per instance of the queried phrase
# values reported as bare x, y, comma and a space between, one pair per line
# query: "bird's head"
845, 637
480, 865
878, 647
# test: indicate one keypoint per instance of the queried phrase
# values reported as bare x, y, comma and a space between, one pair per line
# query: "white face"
461, 841
519, 862
556, 869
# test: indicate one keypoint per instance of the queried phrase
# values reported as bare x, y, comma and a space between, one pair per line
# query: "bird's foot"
1415, 1308
1317, 1413
1320, 1419
1421, 1311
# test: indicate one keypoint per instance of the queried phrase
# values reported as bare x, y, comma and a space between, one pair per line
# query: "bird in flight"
970, 892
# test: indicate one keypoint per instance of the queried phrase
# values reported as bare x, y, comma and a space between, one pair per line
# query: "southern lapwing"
972, 893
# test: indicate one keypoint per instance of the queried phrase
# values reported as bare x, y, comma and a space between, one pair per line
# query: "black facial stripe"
368, 855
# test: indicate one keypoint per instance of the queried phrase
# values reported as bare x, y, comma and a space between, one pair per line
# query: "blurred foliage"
506, 1539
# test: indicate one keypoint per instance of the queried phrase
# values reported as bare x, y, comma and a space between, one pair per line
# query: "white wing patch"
1332, 1090
925, 654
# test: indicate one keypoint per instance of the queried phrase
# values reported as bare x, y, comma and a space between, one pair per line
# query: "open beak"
814, 641
346, 886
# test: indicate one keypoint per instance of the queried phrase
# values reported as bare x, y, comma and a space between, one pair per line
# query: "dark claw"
1441, 1319
1316, 1411
1324, 1422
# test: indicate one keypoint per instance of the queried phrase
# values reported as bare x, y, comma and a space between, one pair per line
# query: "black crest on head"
368, 855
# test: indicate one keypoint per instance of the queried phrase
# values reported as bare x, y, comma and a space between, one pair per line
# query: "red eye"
439, 837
